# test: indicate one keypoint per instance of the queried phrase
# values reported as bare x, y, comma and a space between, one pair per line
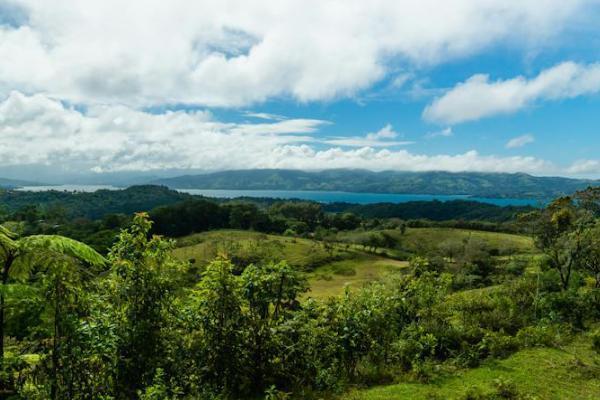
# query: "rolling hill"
465, 183
13, 183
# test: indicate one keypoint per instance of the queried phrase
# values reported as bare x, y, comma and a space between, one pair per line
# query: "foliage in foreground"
136, 330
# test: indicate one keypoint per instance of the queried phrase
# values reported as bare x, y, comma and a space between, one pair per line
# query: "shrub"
596, 340
516, 266
542, 335
496, 344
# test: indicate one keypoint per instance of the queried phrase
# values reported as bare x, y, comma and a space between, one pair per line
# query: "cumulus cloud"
478, 97
520, 141
39, 130
583, 167
236, 53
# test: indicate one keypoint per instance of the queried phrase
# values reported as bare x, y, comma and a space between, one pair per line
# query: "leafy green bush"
596, 340
542, 335
498, 345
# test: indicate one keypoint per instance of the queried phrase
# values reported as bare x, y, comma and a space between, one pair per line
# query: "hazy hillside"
13, 183
477, 184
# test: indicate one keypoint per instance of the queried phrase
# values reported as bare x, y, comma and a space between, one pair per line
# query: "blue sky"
511, 86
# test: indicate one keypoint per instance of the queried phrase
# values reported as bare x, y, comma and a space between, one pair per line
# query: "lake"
319, 196
357, 198
68, 188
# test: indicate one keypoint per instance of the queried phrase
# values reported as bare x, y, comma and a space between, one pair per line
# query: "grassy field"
330, 269
426, 240
305, 254
542, 373
331, 279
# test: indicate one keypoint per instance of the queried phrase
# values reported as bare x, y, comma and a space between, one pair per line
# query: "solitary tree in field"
19, 256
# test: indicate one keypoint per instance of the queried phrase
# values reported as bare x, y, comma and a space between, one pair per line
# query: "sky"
109, 86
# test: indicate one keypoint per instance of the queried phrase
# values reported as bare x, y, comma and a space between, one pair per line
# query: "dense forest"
139, 322
438, 182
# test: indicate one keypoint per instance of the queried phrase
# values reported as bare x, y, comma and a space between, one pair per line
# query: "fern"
60, 245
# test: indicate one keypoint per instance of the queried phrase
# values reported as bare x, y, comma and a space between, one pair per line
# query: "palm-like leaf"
7, 241
46, 250
60, 245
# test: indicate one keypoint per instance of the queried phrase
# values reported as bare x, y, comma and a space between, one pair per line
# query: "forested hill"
432, 210
94, 205
12, 183
470, 183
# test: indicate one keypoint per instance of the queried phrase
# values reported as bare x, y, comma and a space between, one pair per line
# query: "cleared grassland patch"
331, 279
545, 373
305, 254
427, 240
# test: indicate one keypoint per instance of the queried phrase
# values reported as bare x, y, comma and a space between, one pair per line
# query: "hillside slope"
13, 183
465, 183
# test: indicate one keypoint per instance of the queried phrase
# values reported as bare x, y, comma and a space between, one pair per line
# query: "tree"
451, 248
18, 256
588, 258
558, 234
589, 199
141, 291
219, 319
79, 350
271, 291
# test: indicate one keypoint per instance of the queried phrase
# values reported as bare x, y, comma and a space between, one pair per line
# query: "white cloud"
387, 132
235, 53
520, 141
38, 130
446, 132
583, 167
478, 97
262, 115
381, 138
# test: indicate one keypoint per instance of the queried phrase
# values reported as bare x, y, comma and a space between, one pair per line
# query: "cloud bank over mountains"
39, 130
82, 78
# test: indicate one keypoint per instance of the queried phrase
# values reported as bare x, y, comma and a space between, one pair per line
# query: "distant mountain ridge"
518, 185
15, 183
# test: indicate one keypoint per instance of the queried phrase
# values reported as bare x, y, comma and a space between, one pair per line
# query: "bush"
516, 266
567, 306
542, 335
496, 344
596, 340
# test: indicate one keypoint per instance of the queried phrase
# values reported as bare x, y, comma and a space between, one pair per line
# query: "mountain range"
15, 183
518, 185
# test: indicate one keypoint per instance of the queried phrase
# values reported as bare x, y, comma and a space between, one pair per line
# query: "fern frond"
7, 240
54, 245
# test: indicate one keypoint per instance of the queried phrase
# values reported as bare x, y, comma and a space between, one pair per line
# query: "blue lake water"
357, 198
319, 196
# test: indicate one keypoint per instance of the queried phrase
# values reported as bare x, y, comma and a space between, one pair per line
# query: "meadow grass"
305, 254
331, 269
572, 372
427, 240
332, 279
